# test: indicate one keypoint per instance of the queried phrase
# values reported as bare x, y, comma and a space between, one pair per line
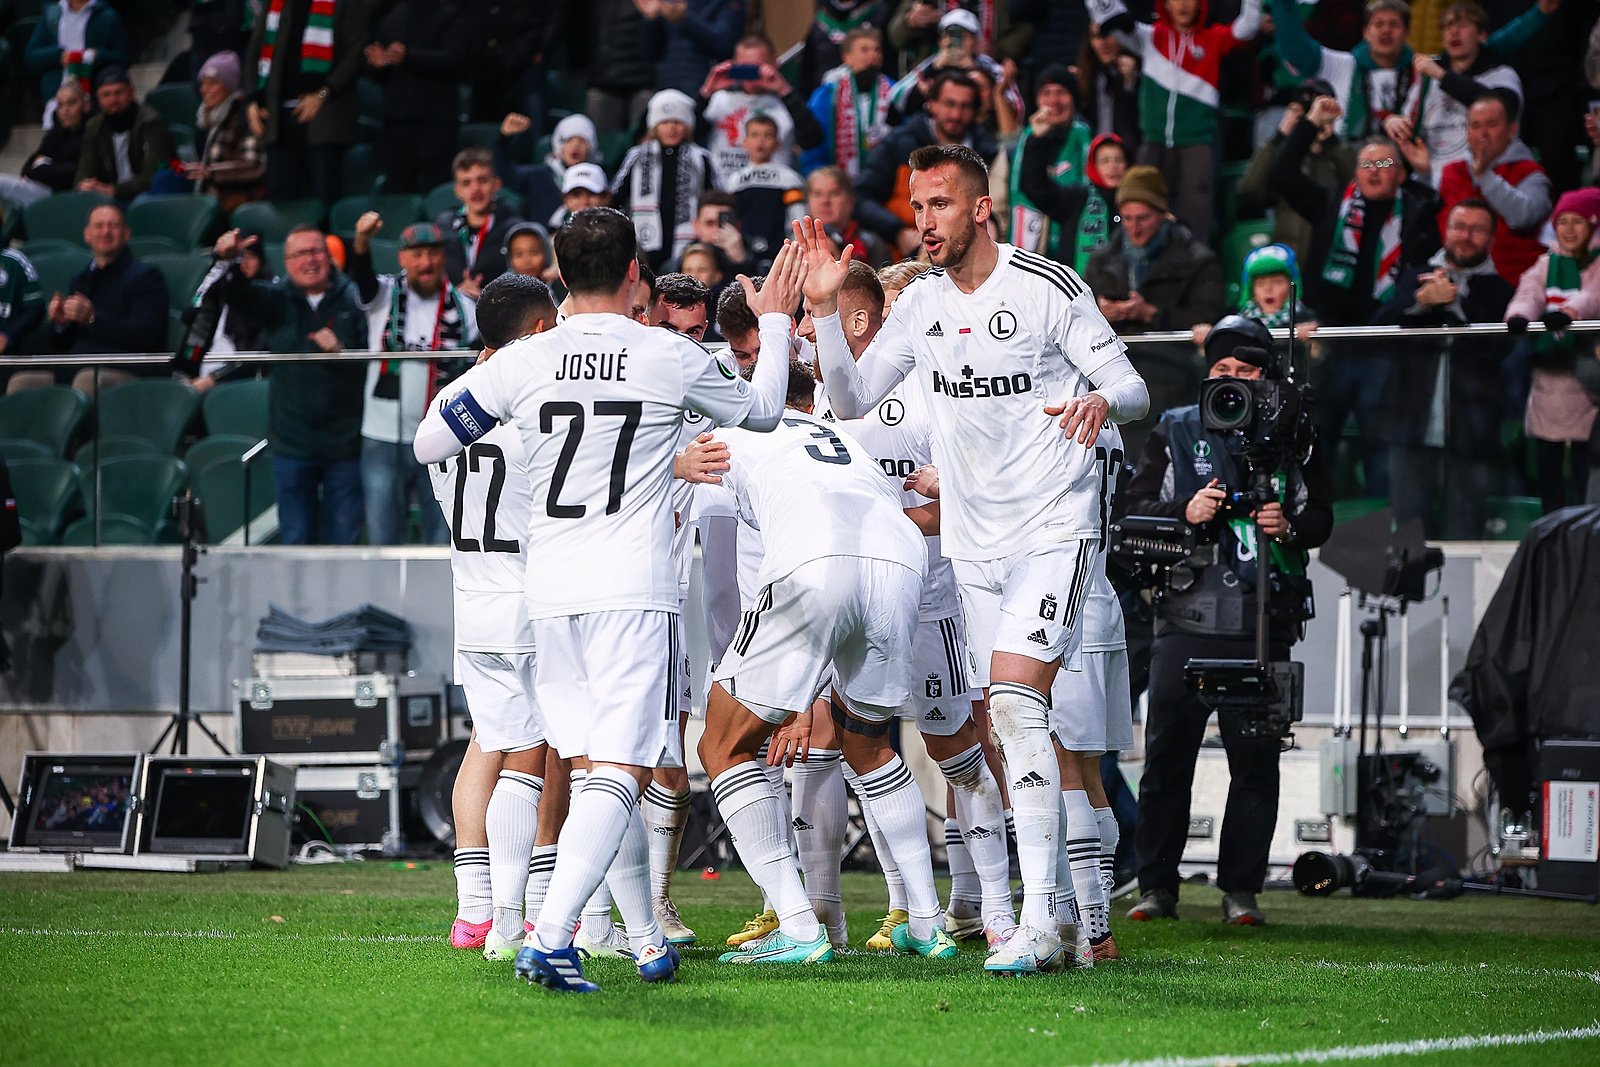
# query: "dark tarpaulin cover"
1533, 671
366, 629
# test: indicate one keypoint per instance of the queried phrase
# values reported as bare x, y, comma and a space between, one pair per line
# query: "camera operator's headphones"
1244, 339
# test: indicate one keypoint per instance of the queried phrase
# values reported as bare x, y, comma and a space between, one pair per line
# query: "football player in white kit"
486, 497
598, 402
841, 572
999, 341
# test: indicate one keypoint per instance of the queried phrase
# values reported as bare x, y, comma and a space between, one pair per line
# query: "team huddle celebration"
919, 469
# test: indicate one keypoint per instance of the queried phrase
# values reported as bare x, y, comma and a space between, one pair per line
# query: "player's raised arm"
718, 391
854, 387
456, 418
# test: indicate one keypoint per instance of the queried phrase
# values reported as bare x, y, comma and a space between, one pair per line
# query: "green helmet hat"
1269, 259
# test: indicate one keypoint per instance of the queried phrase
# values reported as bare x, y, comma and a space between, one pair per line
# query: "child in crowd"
769, 195
660, 181
1271, 276
1561, 286
527, 251
700, 263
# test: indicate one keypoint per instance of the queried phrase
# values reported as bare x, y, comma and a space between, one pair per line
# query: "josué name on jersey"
593, 366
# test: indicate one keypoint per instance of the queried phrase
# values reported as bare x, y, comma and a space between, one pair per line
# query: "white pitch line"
226, 935
1370, 1052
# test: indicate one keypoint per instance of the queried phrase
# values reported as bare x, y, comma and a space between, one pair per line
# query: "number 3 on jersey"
839, 454
467, 463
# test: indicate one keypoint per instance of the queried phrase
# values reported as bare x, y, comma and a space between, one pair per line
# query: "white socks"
981, 818
512, 822
1083, 852
1110, 835
540, 868
1021, 724
781, 791
755, 818
880, 844
597, 819
474, 900
896, 803
1066, 896
596, 916
666, 811
819, 828
966, 891
628, 878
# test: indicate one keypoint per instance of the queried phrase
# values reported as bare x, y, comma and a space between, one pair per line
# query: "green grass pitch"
348, 965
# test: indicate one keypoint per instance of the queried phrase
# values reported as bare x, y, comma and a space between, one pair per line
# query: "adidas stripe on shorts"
941, 699
1026, 603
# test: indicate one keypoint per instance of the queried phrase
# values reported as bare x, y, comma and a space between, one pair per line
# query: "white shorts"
499, 690
940, 701
686, 709
608, 682
842, 617
1092, 710
1027, 603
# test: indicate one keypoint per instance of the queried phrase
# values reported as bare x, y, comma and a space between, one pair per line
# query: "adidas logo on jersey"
934, 331
1031, 780
935, 716
801, 824
1038, 637
979, 833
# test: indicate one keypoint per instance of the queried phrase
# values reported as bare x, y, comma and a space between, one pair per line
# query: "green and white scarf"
1345, 250
316, 43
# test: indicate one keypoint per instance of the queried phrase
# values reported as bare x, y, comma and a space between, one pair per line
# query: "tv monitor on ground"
75, 803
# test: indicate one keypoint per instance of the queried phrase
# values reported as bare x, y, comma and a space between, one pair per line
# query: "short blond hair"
899, 275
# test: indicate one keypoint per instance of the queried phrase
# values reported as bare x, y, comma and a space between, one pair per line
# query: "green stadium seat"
217, 446
45, 245
238, 407
15, 448
1507, 518
182, 218
385, 256
177, 102
43, 488
272, 251
184, 273
1345, 510
10, 221
220, 487
63, 215
141, 487
398, 210
151, 246
49, 416
1236, 244
112, 445
114, 530
361, 174
158, 409
57, 268
177, 329
442, 198
274, 220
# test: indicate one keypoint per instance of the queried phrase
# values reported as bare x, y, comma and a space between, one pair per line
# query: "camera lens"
1228, 406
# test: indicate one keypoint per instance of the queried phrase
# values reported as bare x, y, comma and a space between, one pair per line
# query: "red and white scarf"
853, 139
316, 41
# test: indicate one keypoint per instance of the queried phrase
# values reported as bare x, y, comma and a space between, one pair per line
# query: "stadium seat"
442, 198
114, 530
158, 409
10, 221
1240, 241
477, 134
15, 448
45, 245
1507, 518
150, 246
177, 102
220, 487
140, 487
56, 268
217, 446
49, 416
111, 446
238, 407
385, 256
1345, 510
274, 220
43, 488
63, 215
399, 211
177, 329
614, 144
361, 175
182, 218
183, 273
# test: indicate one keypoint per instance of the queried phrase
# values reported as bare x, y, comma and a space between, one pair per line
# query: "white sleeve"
855, 386
1248, 24
1123, 388
460, 415
716, 390
1087, 340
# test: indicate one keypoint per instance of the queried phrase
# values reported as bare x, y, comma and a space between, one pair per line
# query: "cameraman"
1190, 473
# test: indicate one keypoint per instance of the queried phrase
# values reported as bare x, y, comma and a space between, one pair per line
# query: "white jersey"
987, 364
486, 498
598, 402
1441, 119
1101, 620
898, 436
814, 492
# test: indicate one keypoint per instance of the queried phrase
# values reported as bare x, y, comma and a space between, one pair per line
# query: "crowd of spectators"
1334, 163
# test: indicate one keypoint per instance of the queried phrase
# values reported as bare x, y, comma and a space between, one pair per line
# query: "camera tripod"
190, 529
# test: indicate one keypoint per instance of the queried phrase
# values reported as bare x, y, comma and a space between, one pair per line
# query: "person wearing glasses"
1364, 237
315, 406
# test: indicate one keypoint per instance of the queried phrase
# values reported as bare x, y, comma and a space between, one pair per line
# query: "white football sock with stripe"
629, 881
896, 802
596, 916
819, 827
1066, 895
780, 789
474, 897
1110, 835
981, 818
666, 812
966, 892
1021, 723
880, 844
754, 816
540, 868
597, 819
1083, 852
512, 822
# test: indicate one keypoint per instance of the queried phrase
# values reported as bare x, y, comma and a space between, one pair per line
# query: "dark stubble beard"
1466, 264
957, 245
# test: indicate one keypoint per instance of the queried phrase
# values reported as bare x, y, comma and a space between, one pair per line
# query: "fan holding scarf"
660, 181
1363, 238
417, 310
